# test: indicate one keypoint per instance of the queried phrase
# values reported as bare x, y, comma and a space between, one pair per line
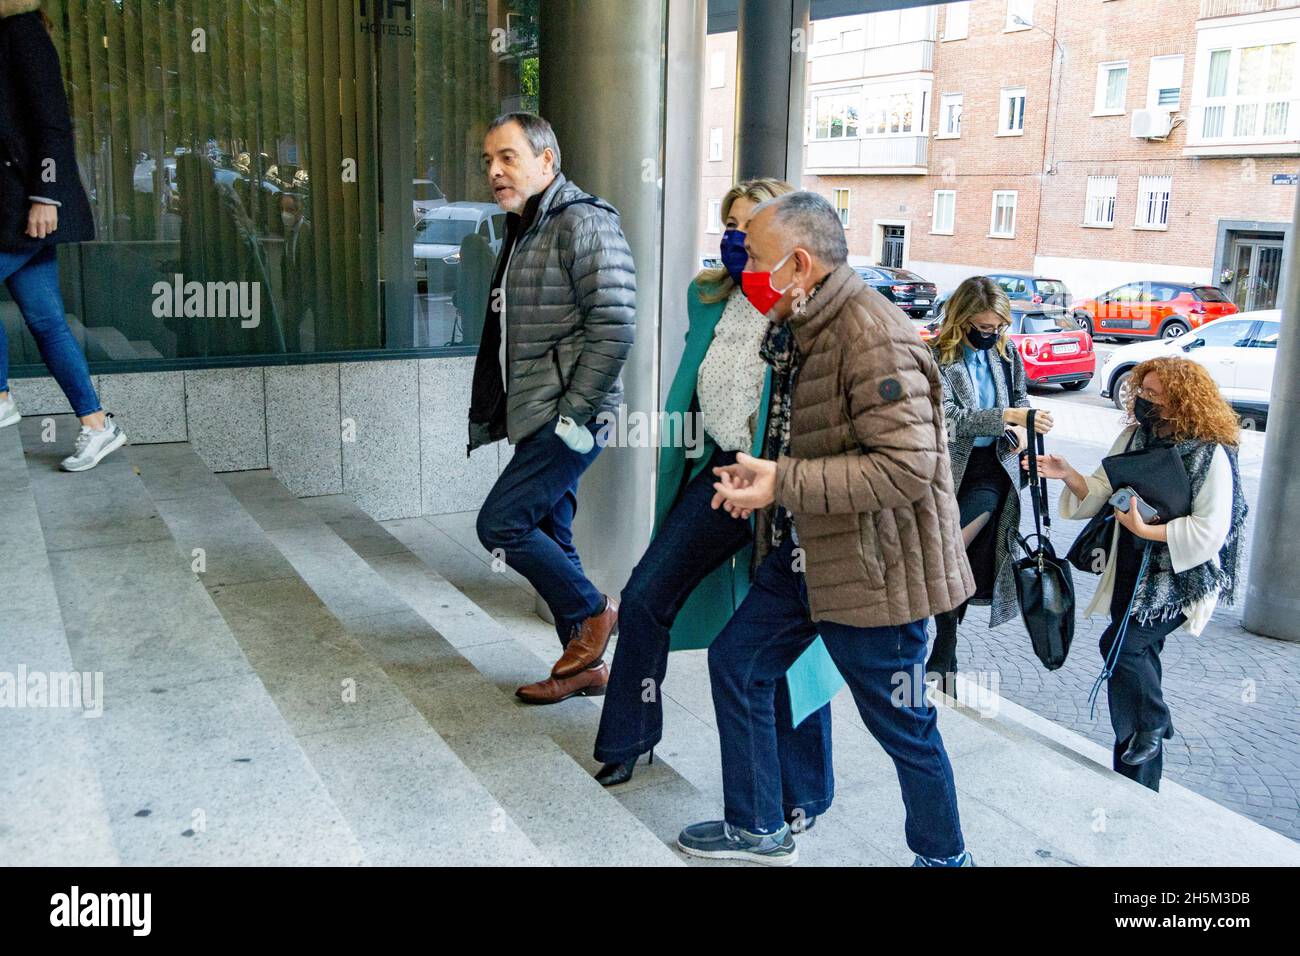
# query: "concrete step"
1030, 793
52, 810
196, 764
404, 793
565, 813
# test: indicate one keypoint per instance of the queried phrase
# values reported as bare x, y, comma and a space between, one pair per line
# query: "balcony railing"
879, 153
917, 55
1233, 8
1245, 126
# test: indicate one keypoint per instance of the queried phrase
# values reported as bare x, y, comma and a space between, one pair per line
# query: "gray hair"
809, 221
537, 131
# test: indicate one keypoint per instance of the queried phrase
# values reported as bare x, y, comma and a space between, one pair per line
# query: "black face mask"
981, 340
1146, 413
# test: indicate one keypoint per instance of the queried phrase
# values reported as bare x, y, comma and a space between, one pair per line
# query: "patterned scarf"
1162, 594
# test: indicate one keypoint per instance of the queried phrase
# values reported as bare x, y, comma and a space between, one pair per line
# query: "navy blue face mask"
734, 255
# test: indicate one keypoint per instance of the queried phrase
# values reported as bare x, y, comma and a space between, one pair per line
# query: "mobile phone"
1124, 496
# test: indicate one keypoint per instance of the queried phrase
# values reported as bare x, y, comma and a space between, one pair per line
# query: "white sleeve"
1099, 489
1199, 537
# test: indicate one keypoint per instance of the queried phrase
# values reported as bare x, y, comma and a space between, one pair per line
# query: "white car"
1238, 351
438, 237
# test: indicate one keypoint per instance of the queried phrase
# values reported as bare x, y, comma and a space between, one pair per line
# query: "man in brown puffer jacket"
864, 546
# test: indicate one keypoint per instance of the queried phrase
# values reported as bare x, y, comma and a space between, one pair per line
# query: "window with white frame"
1153, 202
1020, 14
1165, 82
717, 69
1003, 224
950, 114
1011, 112
841, 197
945, 208
836, 115
715, 143
1112, 86
715, 215
1246, 93
1099, 206
956, 21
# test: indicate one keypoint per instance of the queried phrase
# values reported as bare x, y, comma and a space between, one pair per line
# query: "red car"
1149, 310
1055, 350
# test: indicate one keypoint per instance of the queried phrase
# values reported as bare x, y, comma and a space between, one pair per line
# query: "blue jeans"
32, 279
692, 543
772, 627
527, 519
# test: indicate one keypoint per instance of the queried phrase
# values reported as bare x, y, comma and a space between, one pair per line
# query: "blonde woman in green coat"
696, 569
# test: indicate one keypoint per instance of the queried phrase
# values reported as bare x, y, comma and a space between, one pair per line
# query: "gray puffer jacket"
570, 301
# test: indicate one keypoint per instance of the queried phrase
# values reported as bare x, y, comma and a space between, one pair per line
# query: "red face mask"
757, 287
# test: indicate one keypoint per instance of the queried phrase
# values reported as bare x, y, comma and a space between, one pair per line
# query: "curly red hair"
1193, 404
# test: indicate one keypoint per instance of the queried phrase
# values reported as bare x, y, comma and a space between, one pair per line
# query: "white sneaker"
94, 446
9, 411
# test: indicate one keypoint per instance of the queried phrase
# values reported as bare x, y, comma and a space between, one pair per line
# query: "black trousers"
1134, 691
984, 489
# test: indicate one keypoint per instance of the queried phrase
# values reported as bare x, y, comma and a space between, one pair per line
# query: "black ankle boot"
1144, 746
943, 656
612, 774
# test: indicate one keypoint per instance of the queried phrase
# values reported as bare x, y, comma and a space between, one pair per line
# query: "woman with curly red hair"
1193, 560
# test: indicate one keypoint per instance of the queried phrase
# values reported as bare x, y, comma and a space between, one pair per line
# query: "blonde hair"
716, 284
975, 296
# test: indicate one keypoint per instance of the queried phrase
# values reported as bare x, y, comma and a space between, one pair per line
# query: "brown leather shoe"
588, 683
588, 645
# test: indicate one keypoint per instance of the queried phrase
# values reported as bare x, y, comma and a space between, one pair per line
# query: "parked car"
428, 197
1055, 350
1147, 310
1238, 351
1032, 290
438, 236
905, 289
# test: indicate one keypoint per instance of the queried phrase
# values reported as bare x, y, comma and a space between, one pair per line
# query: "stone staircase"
287, 681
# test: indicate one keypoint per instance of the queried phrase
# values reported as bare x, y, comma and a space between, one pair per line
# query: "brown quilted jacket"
868, 479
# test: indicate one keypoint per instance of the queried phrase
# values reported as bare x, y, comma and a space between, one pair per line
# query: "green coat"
813, 679
710, 605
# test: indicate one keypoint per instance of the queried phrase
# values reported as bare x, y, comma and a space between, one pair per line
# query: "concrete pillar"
771, 55
603, 88
1273, 589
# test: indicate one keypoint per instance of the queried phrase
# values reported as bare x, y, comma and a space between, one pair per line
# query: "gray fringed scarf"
1162, 594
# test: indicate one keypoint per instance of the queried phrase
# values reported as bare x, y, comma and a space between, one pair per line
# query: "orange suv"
1148, 310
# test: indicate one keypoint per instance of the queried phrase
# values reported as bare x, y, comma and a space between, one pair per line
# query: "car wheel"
1173, 329
1075, 386
1085, 320
1119, 389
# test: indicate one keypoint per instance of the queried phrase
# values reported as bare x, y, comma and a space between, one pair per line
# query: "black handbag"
1044, 582
1091, 549
1157, 474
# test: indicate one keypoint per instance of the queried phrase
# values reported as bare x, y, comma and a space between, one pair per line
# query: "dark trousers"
772, 627
1134, 694
695, 540
984, 489
527, 520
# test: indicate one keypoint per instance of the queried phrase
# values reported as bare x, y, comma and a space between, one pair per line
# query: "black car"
905, 289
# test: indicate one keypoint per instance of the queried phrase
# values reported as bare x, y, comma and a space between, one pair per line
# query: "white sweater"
1193, 540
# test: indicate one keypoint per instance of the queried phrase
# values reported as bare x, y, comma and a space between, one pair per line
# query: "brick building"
1099, 142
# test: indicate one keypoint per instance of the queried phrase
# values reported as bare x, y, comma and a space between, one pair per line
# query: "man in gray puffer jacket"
559, 326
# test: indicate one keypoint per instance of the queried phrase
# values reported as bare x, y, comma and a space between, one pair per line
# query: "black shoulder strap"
1037, 484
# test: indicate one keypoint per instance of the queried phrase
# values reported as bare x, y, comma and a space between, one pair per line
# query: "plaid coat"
966, 421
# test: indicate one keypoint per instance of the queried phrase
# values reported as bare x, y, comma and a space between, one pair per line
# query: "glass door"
1257, 268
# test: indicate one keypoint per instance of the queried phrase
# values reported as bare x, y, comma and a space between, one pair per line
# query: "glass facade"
277, 180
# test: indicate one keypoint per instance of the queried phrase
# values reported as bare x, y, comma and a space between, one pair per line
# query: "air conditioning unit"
1151, 124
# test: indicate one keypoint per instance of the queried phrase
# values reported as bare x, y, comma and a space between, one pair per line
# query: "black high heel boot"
612, 774
943, 656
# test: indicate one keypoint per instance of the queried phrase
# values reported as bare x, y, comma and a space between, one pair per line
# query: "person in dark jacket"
42, 204
559, 326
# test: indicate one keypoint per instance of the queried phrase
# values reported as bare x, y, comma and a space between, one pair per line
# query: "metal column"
771, 55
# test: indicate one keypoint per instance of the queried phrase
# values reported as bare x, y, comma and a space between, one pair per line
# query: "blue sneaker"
962, 859
719, 840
